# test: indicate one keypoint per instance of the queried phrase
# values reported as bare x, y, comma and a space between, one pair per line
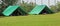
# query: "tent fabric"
46, 10
8, 11
38, 9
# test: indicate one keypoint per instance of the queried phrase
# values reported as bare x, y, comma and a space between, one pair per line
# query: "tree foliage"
27, 6
56, 8
6, 3
9, 2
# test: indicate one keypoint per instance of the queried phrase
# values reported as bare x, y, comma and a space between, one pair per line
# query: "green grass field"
31, 20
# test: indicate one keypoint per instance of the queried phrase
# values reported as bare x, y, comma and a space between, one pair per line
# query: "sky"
38, 2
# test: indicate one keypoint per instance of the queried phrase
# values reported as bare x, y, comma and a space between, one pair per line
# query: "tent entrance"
1, 13
45, 11
17, 12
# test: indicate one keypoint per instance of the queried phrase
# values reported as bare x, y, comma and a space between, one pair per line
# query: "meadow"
31, 20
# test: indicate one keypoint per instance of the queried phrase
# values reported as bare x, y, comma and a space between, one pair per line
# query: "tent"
40, 9
14, 11
0, 12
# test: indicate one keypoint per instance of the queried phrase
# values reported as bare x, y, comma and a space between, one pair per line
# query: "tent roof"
37, 9
8, 11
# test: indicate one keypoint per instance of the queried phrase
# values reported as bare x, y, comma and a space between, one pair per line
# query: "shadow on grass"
25, 15
12, 16
2, 17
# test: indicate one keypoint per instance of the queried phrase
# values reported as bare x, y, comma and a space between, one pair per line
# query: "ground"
31, 20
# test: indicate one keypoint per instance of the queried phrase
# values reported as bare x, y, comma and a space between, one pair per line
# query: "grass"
31, 20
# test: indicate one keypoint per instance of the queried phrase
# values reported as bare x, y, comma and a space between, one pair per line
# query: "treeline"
26, 6
56, 8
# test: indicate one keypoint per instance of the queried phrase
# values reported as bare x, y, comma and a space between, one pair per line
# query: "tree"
56, 8
27, 6
6, 3
53, 8
9, 2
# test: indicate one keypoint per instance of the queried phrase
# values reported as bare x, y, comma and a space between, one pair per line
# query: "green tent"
14, 11
40, 9
0, 12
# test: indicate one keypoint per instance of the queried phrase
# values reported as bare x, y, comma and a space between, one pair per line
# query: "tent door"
16, 13
44, 11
